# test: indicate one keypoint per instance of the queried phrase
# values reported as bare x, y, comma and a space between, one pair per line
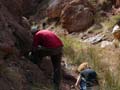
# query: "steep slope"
16, 72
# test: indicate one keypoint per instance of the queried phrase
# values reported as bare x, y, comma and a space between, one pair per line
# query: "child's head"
83, 66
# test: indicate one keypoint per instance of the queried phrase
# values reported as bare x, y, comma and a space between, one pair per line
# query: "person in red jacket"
47, 43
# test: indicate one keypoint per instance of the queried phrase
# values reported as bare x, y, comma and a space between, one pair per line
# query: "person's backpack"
90, 77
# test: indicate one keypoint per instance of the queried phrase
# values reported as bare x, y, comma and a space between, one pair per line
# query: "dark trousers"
56, 55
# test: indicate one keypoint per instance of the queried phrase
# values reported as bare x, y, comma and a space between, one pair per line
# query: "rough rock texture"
13, 36
30, 6
14, 7
19, 74
77, 16
22, 7
16, 72
69, 79
55, 8
40, 14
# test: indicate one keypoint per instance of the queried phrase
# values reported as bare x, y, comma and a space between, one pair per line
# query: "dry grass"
104, 61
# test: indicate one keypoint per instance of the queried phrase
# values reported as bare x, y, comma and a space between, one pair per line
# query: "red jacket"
47, 39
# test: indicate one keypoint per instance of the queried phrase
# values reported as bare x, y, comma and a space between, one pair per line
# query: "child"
87, 80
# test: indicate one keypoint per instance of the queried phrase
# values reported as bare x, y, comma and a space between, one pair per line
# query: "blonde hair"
82, 66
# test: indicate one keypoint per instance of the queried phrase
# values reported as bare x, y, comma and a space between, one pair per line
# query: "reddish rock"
69, 80
16, 71
65, 86
77, 16
117, 3
14, 6
46, 67
55, 8
30, 6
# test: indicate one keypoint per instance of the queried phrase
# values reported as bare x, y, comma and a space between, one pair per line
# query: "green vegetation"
77, 53
71, 47
111, 22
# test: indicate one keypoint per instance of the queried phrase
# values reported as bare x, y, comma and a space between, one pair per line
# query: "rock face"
21, 7
14, 7
30, 6
55, 8
77, 16
16, 71
13, 36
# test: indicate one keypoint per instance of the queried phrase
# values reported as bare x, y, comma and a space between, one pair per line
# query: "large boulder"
14, 42
14, 7
77, 16
55, 8
19, 74
30, 6
22, 7
13, 36
16, 71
